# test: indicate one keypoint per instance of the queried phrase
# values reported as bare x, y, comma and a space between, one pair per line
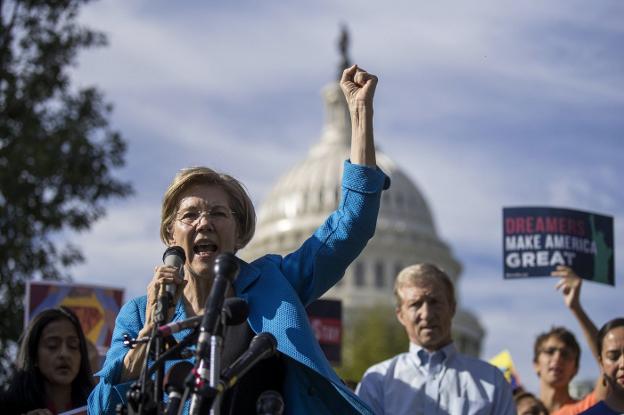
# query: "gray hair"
423, 273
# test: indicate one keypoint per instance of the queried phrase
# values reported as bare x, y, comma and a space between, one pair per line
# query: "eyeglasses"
564, 352
218, 213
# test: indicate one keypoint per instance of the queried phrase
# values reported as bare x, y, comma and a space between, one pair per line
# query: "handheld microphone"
270, 402
235, 311
174, 385
174, 256
263, 345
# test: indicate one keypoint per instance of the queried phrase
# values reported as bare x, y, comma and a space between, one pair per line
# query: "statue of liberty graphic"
603, 255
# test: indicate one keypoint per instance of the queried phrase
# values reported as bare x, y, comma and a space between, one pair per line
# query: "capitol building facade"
304, 196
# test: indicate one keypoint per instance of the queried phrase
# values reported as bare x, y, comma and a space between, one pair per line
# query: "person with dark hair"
207, 213
433, 377
52, 369
611, 347
528, 404
556, 353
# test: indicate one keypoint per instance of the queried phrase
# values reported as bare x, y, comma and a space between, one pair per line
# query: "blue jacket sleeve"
323, 258
109, 391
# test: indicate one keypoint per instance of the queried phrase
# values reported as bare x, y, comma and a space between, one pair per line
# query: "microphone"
270, 402
174, 256
263, 345
174, 385
209, 341
225, 271
235, 311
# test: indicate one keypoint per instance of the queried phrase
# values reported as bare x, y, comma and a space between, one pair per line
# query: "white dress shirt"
444, 382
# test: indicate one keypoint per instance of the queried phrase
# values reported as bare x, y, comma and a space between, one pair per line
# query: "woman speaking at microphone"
208, 213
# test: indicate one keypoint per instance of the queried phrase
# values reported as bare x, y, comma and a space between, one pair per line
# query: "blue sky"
484, 104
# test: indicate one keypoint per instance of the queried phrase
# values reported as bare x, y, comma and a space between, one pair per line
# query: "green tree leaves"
57, 150
372, 335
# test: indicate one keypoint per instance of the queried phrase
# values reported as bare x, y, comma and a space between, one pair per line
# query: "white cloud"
122, 249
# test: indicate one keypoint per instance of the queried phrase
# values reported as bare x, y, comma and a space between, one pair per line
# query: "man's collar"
423, 356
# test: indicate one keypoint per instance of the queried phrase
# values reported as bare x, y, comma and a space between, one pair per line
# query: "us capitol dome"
304, 196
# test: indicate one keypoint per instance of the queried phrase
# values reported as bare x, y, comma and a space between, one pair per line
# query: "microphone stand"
211, 373
216, 348
210, 335
173, 352
160, 318
140, 398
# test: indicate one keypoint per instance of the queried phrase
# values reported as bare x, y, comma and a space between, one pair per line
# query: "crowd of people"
207, 213
434, 378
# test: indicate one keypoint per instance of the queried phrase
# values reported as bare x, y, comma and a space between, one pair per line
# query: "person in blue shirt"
611, 347
433, 378
208, 213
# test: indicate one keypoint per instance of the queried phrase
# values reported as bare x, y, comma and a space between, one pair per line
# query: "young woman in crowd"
52, 374
611, 346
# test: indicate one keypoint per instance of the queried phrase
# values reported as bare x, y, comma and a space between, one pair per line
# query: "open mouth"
204, 249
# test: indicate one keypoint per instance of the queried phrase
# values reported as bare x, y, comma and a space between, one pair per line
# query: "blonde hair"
244, 212
423, 273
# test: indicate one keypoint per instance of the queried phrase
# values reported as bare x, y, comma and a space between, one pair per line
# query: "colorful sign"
537, 239
95, 306
326, 321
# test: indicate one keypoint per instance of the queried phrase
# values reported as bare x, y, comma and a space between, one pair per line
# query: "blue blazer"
277, 290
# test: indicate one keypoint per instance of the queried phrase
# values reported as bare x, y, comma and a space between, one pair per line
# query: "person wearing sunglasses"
556, 353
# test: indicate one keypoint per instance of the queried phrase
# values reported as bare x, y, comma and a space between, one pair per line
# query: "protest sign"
96, 307
537, 239
326, 320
